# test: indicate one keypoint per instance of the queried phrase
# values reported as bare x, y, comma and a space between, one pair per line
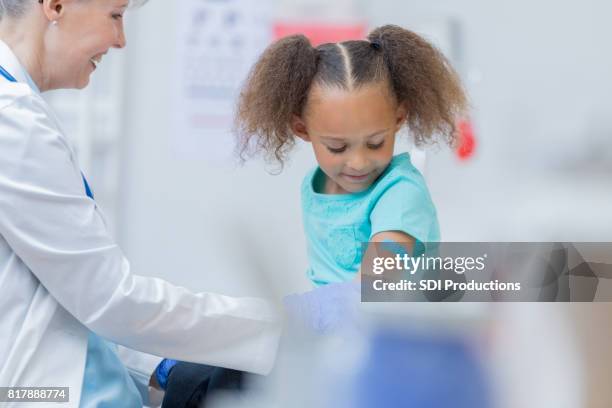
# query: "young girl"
349, 100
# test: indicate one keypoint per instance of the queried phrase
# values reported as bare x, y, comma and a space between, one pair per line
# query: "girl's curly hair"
277, 87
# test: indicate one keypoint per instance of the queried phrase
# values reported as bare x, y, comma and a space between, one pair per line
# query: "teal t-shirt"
336, 225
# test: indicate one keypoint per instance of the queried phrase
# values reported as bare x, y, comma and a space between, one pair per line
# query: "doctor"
67, 294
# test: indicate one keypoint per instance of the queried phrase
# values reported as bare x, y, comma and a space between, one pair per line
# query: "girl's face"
352, 133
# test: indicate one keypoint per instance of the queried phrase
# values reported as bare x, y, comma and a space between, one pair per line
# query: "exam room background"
538, 74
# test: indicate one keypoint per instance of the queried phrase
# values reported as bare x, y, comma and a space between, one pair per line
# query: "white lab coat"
61, 273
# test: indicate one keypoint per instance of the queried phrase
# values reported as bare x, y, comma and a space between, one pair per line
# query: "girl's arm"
398, 237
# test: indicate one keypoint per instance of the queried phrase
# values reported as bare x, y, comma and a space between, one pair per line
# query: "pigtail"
423, 79
275, 90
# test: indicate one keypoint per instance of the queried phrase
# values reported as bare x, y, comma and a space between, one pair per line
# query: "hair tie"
375, 45
317, 54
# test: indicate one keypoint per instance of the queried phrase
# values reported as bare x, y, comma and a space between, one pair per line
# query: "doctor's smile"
95, 61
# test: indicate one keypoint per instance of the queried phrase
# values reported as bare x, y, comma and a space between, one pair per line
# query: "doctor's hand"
324, 309
159, 379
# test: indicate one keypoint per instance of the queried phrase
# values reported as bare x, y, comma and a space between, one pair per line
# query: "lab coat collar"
10, 63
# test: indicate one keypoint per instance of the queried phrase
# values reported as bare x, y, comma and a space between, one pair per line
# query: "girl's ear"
298, 127
401, 115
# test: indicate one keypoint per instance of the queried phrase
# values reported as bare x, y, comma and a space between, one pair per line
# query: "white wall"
200, 224
538, 76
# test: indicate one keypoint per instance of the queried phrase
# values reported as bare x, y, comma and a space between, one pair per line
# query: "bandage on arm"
388, 243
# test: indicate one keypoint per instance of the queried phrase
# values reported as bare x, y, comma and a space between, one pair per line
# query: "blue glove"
325, 308
162, 372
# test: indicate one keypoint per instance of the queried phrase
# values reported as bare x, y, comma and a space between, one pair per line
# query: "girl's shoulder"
400, 169
401, 202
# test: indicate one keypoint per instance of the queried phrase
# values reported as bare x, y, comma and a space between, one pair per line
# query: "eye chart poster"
218, 42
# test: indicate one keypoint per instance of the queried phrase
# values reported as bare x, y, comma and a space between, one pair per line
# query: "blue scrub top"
106, 382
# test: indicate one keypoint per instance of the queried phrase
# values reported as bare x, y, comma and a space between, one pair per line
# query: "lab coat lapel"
9, 62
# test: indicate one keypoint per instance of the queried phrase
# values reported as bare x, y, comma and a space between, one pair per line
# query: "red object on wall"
467, 140
320, 33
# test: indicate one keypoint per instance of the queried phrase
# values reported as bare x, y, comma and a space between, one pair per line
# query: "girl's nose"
358, 162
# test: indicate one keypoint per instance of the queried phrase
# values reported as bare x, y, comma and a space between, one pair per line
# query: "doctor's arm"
60, 235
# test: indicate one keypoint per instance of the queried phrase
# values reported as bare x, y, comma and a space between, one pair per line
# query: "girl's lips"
356, 178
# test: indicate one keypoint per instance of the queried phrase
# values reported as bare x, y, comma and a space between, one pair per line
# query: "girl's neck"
331, 187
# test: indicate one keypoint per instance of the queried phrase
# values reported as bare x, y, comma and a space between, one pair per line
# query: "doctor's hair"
417, 74
13, 8
18, 8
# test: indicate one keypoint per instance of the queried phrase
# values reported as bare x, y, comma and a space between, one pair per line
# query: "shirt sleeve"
406, 206
59, 234
141, 367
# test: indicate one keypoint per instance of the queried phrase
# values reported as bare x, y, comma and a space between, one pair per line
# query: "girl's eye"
336, 150
117, 16
376, 146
